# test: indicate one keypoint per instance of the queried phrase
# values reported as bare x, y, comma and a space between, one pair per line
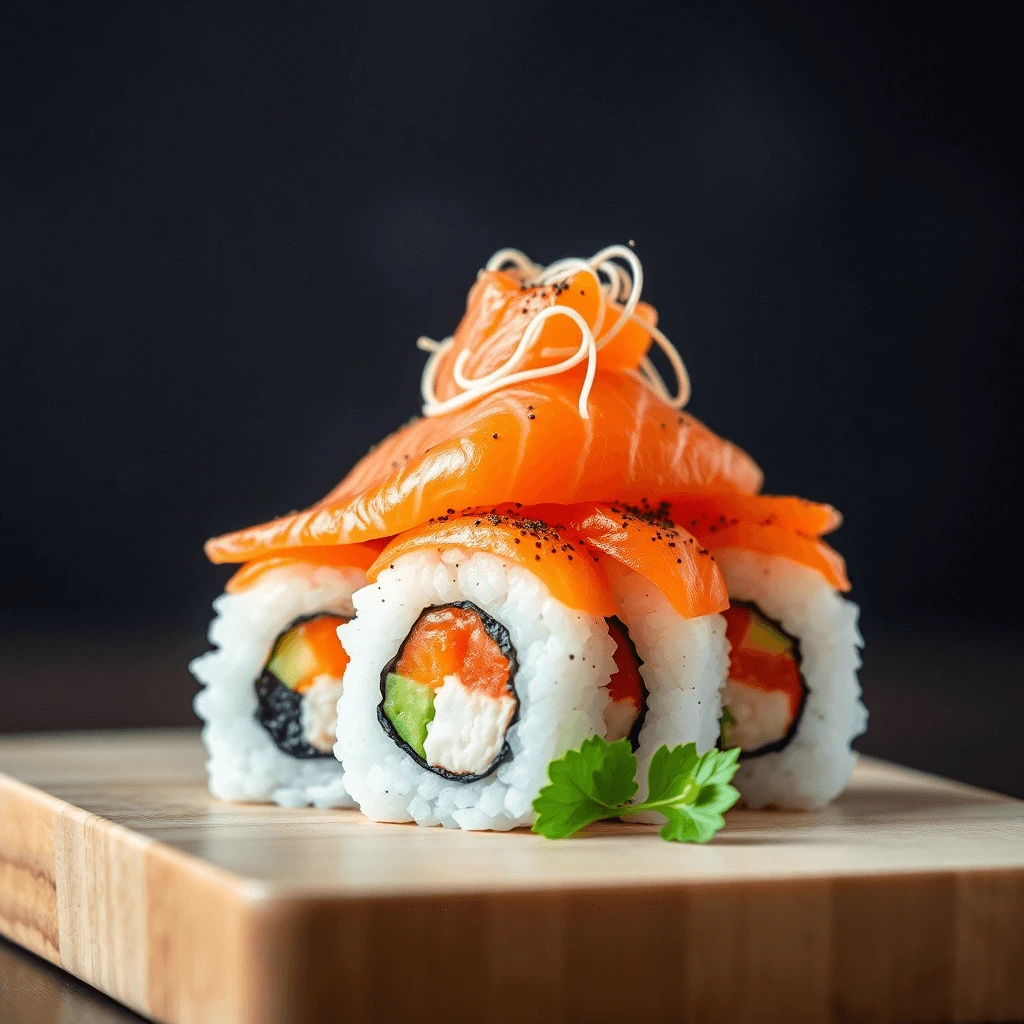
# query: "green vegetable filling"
409, 707
292, 660
597, 781
725, 727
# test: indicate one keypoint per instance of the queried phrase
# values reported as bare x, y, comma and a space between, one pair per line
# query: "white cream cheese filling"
619, 719
761, 716
320, 713
468, 728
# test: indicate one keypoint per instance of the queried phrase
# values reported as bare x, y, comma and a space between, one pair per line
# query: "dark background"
223, 227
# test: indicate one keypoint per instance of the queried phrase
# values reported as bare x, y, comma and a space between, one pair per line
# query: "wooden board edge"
154, 928
28, 886
182, 941
937, 946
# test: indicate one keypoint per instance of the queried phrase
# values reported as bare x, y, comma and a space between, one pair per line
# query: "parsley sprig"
597, 781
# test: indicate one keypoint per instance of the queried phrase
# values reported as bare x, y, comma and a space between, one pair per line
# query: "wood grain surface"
904, 901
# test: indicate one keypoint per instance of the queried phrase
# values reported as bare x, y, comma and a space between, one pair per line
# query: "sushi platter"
901, 901
491, 729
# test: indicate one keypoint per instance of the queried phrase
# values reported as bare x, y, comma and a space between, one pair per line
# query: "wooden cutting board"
904, 901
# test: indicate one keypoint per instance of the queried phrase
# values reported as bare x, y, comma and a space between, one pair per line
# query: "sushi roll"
273, 681
468, 675
669, 596
488, 644
559, 604
680, 664
792, 698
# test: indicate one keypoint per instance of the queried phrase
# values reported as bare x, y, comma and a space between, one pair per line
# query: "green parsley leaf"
597, 781
717, 766
586, 785
670, 772
699, 821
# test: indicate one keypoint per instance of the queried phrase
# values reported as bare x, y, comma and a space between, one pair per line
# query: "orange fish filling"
452, 641
297, 692
308, 650
448, 697
625, 684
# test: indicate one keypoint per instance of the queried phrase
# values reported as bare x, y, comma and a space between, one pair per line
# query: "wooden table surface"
902, 901
33, 991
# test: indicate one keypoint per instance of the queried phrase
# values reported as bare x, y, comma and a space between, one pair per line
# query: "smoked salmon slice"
772, 540
713, 511
681, 567
343, 556
525, 443
785, 526
566, 546
554, 553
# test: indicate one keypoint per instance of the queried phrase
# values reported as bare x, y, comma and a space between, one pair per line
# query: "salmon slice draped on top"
525, 443
788, 527
566, 547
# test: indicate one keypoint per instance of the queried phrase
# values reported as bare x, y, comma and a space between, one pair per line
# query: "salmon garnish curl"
524, 322
545, 394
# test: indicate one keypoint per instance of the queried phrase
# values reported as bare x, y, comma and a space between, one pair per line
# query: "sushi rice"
815, 765
684, 667
245, 764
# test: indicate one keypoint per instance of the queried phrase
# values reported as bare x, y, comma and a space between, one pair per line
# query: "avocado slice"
292, 660
409, 706
764, 636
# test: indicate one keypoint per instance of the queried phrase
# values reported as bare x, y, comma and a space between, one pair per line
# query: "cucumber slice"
409, 707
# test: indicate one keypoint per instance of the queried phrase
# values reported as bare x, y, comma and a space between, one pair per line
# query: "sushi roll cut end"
766, 691
272, 682
627, 693
298, 690
448, 698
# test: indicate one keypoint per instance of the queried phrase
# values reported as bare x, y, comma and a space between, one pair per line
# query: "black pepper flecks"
555, 538
656, 518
